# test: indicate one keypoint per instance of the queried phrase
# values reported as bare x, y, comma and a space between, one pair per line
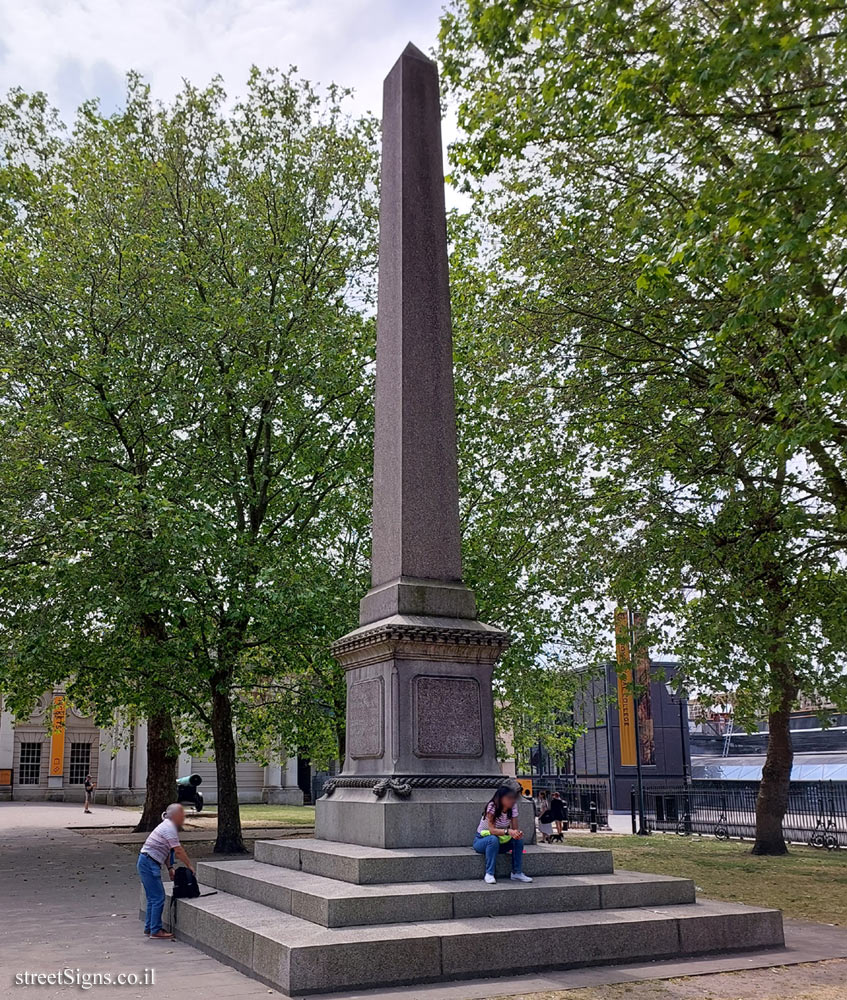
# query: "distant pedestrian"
545, 817
89, 793
557, 813
161, 847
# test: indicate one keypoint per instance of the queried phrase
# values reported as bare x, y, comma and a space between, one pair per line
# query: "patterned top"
161, 841
503, 820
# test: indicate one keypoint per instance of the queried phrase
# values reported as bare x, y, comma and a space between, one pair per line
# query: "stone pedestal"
120, 797
284, 795
421, 756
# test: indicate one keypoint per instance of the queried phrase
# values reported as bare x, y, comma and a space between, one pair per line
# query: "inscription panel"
365, 718
448, 717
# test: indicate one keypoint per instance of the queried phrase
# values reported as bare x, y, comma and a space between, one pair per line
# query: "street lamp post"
679, 698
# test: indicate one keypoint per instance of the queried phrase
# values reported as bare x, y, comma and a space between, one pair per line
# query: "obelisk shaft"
420, 748
416, 563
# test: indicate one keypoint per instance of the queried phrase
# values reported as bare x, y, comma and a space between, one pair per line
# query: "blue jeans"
490, 846
150, 873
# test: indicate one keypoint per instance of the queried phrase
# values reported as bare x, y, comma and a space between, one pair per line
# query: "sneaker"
489, 879
520, 877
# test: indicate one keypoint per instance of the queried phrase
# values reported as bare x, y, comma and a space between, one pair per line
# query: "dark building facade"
604, 754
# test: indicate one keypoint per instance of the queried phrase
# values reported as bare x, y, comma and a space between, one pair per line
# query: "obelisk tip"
413, 52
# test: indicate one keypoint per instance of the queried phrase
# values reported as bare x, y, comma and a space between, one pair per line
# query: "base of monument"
308, 916
446, 817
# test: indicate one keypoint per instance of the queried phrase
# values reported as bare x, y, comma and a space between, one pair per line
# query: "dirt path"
816, 981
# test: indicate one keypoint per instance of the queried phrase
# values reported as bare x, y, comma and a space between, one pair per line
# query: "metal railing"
587, 804
816, 814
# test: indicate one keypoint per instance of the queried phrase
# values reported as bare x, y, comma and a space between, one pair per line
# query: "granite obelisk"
421, 756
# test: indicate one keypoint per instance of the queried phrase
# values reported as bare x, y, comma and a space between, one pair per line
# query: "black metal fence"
817, 812
587, 804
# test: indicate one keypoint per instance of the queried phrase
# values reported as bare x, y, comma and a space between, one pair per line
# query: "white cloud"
77, 49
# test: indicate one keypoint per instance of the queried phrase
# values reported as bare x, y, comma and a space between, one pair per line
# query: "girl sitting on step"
498, 833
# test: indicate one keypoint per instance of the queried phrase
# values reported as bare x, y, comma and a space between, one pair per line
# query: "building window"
80, 763
29, 768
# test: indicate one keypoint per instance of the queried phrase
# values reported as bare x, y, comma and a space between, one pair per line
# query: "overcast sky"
77, 49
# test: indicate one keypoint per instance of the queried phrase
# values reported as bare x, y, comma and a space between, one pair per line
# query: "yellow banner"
57, 741
626, 703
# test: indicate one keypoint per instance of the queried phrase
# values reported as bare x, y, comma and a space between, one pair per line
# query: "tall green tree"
184, 295
665, 186
515, 528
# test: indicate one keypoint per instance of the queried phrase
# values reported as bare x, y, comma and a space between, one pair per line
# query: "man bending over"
161, 847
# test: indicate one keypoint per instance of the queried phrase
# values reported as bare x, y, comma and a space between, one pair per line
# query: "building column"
281, 784
113, 777
139, 775
273, 783
7, 753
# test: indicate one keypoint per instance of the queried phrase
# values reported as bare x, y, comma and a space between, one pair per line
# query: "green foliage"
667, 239
514, 515
184, 293
185, 406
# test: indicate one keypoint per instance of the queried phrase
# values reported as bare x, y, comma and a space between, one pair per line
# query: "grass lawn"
259, 815
256, 816
806, 884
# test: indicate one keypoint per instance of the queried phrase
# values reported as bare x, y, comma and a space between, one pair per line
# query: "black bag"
546, 817
185, 884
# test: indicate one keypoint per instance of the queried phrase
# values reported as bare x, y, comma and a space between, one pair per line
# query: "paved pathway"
24, 816
71, 901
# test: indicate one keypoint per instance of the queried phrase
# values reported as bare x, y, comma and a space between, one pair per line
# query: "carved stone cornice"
395, 638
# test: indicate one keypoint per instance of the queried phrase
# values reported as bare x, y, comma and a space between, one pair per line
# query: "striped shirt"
161, 841
503, 820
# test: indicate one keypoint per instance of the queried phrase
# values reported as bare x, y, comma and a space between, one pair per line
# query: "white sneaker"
520, 877
489, 879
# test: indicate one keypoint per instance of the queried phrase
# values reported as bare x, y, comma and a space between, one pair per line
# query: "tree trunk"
772, 800
162, 753
229, 839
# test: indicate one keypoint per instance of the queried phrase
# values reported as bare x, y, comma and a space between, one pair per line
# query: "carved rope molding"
402, 786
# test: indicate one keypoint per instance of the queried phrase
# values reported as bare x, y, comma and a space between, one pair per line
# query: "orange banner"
645, 701
626, 703
57, 740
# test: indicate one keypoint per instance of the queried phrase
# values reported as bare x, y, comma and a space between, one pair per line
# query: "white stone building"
36, 763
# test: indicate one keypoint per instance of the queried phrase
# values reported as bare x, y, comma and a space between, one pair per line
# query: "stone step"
298, 957
375, 865
333, 903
